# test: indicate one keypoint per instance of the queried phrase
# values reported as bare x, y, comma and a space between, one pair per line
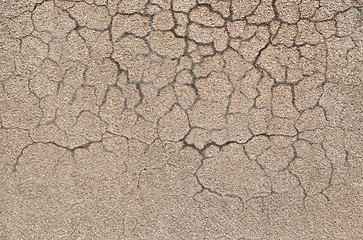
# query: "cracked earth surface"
181, 119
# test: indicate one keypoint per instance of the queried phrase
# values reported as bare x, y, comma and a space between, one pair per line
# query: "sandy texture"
181, 119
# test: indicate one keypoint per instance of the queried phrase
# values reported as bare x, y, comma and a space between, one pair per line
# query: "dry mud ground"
181, 119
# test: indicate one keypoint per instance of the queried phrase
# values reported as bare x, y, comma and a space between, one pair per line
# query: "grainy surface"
181, 119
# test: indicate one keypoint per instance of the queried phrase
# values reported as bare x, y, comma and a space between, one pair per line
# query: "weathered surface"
181, 119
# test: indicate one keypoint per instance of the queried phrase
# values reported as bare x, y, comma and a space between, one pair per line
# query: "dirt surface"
181, 119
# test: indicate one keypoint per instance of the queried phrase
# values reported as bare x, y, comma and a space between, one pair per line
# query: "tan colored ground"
181, 119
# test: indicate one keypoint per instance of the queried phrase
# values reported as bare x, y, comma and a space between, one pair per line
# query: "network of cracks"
181, 119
